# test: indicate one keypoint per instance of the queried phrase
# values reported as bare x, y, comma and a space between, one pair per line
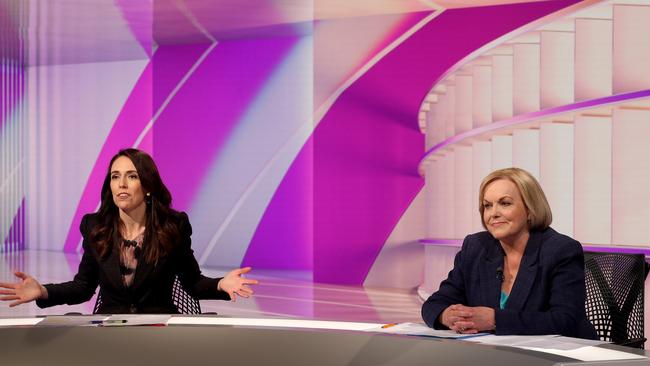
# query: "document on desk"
538, 341
576, 348
15, 322
417, 329
71, 320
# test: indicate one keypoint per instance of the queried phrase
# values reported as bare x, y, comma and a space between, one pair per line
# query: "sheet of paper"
579, 349
13, 322
272, 322
71, 320
590, 353
544, 341
418, 329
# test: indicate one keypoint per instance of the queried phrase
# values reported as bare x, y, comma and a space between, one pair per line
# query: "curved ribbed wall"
568, 101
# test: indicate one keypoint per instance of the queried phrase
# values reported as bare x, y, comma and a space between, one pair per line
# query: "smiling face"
505, 214
125, 185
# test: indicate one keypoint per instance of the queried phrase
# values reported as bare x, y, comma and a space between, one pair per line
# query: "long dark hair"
160, 234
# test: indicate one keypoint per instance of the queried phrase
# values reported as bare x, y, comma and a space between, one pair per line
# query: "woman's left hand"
235, 284
480, 319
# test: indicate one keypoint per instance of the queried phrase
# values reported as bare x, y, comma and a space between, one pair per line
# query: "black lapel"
526, 275
490, 281
142, 272
112, 267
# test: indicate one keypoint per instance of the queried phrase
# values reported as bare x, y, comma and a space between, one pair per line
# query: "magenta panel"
285, 241
197, 122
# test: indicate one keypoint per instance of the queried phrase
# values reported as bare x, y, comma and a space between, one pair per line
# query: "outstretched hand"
235, 284
28, 289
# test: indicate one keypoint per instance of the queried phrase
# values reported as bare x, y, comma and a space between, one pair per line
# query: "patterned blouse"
130, 251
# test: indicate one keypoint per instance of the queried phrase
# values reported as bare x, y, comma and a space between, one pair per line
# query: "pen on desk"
110, 321
388, 325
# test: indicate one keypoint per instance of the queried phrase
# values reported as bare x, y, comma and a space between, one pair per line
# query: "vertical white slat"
463, 103
525, 150
593, 58
482, 95
481, 167
450, 111
557, 60
593, 179
501, 152
463, 192
502, 87
556, 173
526, 78
630, 177
631, 48
448, 195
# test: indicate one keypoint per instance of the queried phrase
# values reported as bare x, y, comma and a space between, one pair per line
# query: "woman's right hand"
28, 289
452, 314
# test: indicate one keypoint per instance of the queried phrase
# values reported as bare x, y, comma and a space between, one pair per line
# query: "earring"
148, 199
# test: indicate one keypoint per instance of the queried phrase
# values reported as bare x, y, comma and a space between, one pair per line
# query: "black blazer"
151, 290
548, 296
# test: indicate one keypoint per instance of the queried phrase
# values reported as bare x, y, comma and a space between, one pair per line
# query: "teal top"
502, 301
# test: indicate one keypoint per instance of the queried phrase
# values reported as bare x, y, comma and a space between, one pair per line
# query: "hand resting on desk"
468, 320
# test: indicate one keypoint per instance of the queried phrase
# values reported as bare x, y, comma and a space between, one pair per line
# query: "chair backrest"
615, 291
184, 302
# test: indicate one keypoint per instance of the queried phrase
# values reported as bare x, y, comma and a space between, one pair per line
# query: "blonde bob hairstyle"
539, 211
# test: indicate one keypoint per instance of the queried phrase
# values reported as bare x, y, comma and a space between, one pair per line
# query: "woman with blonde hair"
518, 277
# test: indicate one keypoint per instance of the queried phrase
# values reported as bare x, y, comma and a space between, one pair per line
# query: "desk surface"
235, 345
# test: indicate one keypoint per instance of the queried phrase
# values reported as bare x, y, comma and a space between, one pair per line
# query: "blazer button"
133, 309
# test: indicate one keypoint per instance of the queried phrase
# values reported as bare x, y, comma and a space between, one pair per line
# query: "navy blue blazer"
151, 290
548, 296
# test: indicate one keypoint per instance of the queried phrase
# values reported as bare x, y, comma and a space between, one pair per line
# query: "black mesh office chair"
615, 287
184, 302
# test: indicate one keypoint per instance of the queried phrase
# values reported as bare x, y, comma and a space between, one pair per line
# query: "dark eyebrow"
127, 172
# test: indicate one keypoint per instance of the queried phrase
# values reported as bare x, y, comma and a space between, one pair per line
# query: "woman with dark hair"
135, 246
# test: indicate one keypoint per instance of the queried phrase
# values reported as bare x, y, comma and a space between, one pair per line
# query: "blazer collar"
142, 272
112, 267
527, 273
494, 260
490, 280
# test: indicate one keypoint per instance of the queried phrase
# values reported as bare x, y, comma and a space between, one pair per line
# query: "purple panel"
170, 65
286, 241
139, 17
191, 131
366, 149
15, 239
